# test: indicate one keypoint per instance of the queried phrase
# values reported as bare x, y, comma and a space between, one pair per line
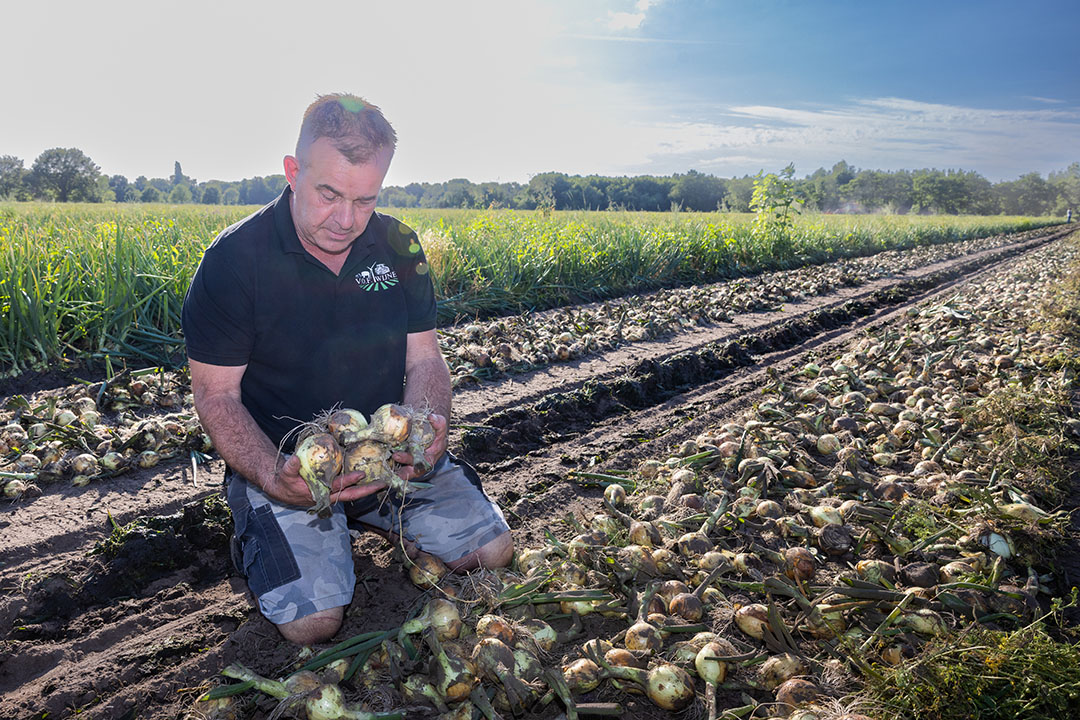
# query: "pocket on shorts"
268, 560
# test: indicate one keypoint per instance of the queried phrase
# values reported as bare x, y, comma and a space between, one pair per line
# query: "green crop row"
105, 284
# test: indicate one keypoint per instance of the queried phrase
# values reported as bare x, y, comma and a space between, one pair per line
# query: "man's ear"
292, 169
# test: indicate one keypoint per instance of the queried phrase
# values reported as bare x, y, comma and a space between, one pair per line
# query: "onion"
923, 621
581, 676
688, 606
427, 571
621, 657
14, 489
638, 559
542, 635
781, 668
615, 494
496, 662
346, 426
371, 458
320, 462
418, 690
822, 515
496, 627
828, 444
834, 540
605, 524
799, 564
645, 637
753, 619
571, 574
708, 667
666, 561
796, 691
147, 459
998, 544
112, 461
875, 570
389, 424
526, 665
651, 506
27, 462
694, 545
441, 615
84, 464
712, 560
670, 588
769, 509
64, 417
529, 560
452, 676
645, 534
1022, 511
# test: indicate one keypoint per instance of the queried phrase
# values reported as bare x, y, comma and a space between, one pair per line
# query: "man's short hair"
356, 127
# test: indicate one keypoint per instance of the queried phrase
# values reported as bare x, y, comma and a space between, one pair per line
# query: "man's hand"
434, 451
289, 487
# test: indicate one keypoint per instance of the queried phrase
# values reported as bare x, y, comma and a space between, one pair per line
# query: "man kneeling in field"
317, 301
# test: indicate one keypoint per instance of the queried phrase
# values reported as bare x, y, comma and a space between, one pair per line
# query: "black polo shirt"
310, 339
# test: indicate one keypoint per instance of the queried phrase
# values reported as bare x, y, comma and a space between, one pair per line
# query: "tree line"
67, 174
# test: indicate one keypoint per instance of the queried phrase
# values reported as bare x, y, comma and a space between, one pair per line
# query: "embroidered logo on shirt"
376, 277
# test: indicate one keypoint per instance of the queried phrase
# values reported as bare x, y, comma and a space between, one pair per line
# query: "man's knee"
494, 554
318, 627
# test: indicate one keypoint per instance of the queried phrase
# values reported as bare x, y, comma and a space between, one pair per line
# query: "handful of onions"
344, 441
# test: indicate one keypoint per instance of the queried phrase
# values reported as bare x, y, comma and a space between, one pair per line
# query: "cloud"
620, 21
883, 133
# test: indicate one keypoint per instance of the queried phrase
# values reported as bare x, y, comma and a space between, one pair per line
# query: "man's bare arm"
246, 448
427, 385
427, 379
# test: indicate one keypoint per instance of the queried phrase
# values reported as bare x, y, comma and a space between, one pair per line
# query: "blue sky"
501, 90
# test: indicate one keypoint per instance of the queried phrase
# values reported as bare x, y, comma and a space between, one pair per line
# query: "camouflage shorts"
297, 563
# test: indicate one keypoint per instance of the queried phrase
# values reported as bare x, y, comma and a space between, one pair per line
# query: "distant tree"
178, 174
1066, 185
12, 177
180, 194
119, 185
231, 196
696, 191
211, 195
163, 185
103, 193
150, 195
843, 173
65, 174
130, 195
140, 183
739, 192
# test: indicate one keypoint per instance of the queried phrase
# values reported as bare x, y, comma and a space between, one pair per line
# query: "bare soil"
142, 634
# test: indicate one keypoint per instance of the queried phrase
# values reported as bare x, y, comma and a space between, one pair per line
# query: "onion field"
818, 475
94, 284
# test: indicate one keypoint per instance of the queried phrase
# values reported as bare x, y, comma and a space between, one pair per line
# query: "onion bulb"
441, 615
389, 424
320, 462
753, 620
581, 676
781, 668
645, 637
496, 627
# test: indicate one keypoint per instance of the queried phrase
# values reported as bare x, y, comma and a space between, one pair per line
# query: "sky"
500, 90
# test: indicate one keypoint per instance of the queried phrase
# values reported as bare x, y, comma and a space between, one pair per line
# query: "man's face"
332, 198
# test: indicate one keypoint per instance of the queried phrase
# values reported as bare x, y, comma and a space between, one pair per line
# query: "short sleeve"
218, 312
415, 274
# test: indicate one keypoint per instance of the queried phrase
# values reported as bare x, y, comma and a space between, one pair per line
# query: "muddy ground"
141, 633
